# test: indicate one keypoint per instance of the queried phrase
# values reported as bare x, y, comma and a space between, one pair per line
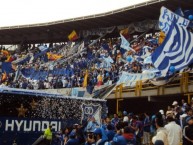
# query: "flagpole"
139, 36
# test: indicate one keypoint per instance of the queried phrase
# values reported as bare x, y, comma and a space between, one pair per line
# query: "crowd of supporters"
170, 127
64, 65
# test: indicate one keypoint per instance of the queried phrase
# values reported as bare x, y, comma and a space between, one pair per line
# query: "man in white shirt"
174, 131
161, 133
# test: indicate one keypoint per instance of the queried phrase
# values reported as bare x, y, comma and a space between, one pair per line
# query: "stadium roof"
58, 31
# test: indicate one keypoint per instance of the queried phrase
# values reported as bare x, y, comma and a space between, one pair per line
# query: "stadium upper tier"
58, 31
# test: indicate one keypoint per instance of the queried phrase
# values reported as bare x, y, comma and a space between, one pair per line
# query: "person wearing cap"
125, 117
175, 105
174, 131
48, 135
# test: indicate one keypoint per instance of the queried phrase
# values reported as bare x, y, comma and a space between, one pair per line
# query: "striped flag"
167, 17
73, 36
176, 50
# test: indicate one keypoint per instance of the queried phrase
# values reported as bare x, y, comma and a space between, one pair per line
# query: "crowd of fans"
171, 128
67, 69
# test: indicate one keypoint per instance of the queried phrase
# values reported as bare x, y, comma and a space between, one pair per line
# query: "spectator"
188, 132
115, 120
92, 124
48, 135
161, 131
72, 139
174, 131
146, 130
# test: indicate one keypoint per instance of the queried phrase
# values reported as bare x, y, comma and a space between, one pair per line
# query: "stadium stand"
121, 50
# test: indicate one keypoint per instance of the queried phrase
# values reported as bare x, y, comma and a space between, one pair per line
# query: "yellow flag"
125, 31
5, 52
85, 79
161, 37
53, 56
73, 36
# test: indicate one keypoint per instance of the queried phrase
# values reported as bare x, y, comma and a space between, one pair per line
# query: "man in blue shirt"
72, 140
146, 130
115, 120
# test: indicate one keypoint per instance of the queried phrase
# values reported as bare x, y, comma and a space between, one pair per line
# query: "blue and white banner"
129, 79
125, 44
166, 18
91, 110
176, 51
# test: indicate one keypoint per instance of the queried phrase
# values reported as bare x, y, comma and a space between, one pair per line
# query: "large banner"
129, 79
24, 115
167, 17
91, 110
141, 26
99, 31
9, 124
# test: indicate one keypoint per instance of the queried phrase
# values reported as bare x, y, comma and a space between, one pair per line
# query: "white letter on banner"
18, 124
166, 18
25, 126
54, 125
7, 125
34, 125
45, 124
59, 126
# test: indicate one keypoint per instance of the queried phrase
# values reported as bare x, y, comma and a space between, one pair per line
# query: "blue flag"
175, 51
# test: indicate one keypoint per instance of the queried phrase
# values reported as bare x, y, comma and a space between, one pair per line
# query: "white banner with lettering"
166, 18
129, 79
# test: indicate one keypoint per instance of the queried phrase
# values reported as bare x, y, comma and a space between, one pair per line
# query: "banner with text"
129, 79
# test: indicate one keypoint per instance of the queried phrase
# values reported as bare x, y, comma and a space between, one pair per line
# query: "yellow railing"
118, 95
183, 81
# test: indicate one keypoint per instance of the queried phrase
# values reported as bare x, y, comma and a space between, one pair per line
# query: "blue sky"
20, 12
